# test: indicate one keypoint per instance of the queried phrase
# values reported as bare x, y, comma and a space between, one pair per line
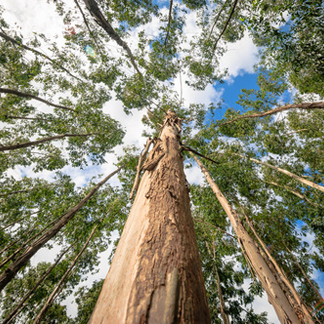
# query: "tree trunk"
16, 311
60, 284
42, 140
276, 295
31, 250
155, 275
300, 306
292, 175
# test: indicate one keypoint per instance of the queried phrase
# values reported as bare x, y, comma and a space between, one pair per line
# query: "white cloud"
240, 57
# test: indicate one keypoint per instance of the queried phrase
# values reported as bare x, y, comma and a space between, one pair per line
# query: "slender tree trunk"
219, 289
156, 275
294, 192
17, 309
292, 175
60, 284
31, 250
296, 298
276, 296
42, 140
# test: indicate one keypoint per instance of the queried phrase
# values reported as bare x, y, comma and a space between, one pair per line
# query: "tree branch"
43, 140
169, 22
29, 95
104, 23
226, 24
187, 148
13, 41
305, 105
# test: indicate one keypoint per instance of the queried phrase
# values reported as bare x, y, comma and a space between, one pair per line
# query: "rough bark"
43, 140
292, 175
276, 296
304, 105
31, 250
155, 275
17, 309
58, 288
31, 96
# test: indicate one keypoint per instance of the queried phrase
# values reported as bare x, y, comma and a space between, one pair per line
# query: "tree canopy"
67, 97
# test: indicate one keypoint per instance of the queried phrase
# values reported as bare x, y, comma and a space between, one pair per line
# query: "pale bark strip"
13, 41
104, 23
19, 307
303, 272
156, 275
60, 284
220, 294
294, 192
304, 105
292, 175
284, 310
31, 96
307, 316
139, 167
31, 250
43, 140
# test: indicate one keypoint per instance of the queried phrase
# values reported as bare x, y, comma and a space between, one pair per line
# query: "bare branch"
226, 24
29, 95
169, 22
305, 105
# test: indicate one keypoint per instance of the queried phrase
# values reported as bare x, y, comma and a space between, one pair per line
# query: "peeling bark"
155, 275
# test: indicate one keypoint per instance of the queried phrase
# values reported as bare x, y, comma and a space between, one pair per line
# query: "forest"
128, 145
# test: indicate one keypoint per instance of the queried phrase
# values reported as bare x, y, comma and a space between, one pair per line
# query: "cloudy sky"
40, 16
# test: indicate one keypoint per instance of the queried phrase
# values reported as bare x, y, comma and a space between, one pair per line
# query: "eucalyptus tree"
53, 114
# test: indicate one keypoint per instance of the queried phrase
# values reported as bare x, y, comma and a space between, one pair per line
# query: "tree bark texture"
156, 275
276, 296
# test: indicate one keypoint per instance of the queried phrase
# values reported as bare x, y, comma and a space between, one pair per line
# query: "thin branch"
60, 284
297, 131
16, 311
187, 148
104, 23
26, 118
305, 105
290, 174
226, 25
169, 22
86, 23
28, 95
217, 17
216, 227
139, 166
43, 140
13, 41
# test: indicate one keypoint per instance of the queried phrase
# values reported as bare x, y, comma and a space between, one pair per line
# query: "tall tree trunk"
289, 174
31, 250
277, 297
60, 284
19, 307
155, 275
296, 298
